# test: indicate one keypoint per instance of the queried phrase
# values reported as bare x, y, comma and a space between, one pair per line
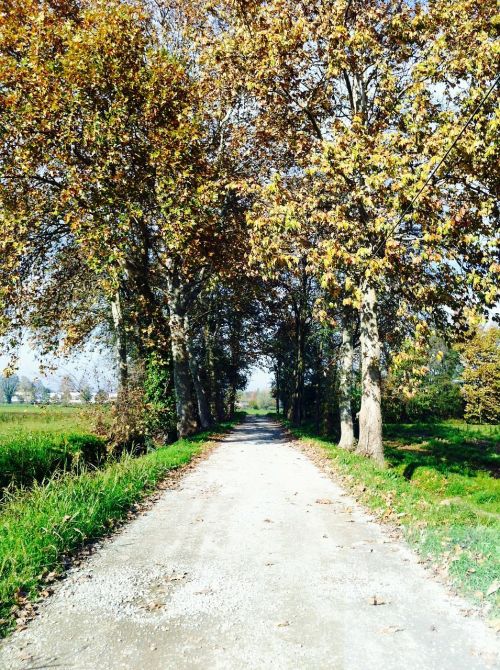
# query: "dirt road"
257, 560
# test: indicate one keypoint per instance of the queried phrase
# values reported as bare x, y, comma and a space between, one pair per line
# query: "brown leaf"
493, 588
324, 501
390, 630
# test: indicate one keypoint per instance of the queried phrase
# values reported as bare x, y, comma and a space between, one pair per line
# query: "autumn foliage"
201, 185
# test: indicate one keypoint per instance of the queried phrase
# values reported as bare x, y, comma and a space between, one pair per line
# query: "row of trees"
27, 390
23, 389
204, 182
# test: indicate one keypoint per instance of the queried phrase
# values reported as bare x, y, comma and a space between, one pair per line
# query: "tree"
422, 382
86, 394
481, 376
359, 100
101, 396
26, 389
106, 184
8, 387
41, 394
66, 388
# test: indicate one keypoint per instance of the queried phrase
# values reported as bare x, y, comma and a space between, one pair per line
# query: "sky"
89, 367
259, 379
95, 369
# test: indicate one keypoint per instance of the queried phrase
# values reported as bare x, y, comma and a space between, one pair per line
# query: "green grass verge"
38, 441
440, 486
38, 528
37, 456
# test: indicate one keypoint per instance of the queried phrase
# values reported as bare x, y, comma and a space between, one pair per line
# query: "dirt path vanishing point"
242, 567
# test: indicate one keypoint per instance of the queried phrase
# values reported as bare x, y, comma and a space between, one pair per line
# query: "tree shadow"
443, 448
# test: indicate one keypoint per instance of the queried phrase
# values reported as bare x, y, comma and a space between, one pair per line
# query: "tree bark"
215, 387
186, 414
206, 419
278, 388
121, 341
235, 347
298, 391
370, 415
297, 409
345, 387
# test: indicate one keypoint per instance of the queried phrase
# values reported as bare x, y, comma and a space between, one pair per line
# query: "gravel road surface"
257, 560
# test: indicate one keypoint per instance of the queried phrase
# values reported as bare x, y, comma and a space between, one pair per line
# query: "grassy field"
37, 442
441, 485
42, 525
41, 417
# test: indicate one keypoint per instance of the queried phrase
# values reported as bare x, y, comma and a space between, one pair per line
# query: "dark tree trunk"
206, 419
186, 414
300, 308
235, 345
216, 396
278, 387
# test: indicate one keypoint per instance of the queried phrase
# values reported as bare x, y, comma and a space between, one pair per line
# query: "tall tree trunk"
235, 347
345, 387
370, 415
215, 387
278, 387
298, 391
319, 389
121, 341
297, 409
186, 414
206, 419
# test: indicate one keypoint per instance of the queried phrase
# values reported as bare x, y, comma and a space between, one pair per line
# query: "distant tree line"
23, 389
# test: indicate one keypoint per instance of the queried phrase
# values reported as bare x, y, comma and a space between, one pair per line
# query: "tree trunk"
215, 387
319, 389
235, 347
370, 415
278, 388
345, 387
206, 419
186, 414
298, 391
121, 341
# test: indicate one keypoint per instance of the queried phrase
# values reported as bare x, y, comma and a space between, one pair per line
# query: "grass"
38, 528
21, 419
441, 485
260, 412
36, 442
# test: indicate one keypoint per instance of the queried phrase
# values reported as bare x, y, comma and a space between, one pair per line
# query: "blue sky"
96, 369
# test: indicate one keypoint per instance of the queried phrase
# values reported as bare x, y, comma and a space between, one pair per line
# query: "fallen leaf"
374, 600
493, 588
390, 630
283, 624
324, 501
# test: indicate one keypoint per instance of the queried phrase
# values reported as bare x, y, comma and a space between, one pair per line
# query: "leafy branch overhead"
202, 185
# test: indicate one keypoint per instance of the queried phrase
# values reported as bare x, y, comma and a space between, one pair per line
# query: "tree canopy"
204, 185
